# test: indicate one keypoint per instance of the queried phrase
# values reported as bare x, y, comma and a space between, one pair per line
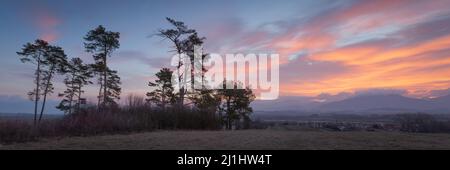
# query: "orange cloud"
289, 45
421, 67
419, 63
338, 60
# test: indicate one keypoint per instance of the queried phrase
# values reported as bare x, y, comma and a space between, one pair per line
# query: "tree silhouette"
48, 60
102, 43
163, 92
202, 98
206, 101
77, 76
235, 103
34, 54
177, 36
113, 88
56, 61
243, 99
189, 46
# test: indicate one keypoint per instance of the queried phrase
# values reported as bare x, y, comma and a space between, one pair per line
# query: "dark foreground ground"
248, 139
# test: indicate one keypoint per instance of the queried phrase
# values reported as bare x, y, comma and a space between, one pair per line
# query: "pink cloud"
49, 36
46, 22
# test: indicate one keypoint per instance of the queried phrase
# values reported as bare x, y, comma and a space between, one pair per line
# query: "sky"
327, 47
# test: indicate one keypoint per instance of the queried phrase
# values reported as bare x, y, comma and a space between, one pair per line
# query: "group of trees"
231, 105
50, 60
78, 75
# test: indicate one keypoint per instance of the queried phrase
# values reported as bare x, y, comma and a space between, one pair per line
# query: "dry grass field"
247, 139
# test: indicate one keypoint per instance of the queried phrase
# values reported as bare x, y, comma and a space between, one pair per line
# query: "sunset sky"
326, 46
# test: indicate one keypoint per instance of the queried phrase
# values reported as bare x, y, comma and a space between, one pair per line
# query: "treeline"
422, 123
163, 107
230, 106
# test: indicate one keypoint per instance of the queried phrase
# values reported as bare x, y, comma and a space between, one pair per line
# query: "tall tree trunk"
100, 96
180, 86
71, 96
193, 74
45, 94
228, 123
203, 74
70, 103
79, 98
38, 78
105, 100
105, 82
163, 98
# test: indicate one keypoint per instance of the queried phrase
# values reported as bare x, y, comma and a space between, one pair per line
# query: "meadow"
269, 139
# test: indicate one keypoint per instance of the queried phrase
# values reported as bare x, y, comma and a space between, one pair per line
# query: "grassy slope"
250, 139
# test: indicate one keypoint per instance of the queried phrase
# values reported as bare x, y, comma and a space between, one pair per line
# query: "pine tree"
235, 103
56, 62
243, 99
189, 46
207, 101
177, 36
113, 88
102, 43
163, 89
34, 54
48, 61
77, 76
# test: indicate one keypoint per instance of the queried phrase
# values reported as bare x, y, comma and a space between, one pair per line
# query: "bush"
16, 131
90, 121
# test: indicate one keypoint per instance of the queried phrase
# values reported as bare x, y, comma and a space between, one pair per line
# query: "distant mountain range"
389, 102
392, 103
342, 103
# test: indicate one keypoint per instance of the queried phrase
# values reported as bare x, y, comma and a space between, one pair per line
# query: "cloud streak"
359, 45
